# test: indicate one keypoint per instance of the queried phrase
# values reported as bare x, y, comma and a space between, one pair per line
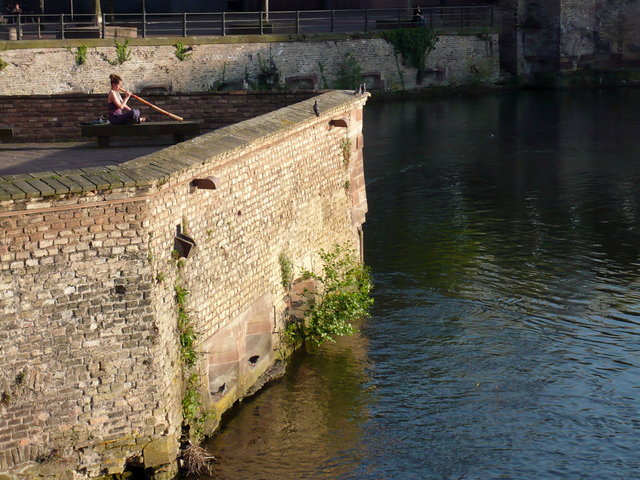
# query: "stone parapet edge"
227, 39
156, 169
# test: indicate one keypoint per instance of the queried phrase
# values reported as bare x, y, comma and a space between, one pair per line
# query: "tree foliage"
414, 44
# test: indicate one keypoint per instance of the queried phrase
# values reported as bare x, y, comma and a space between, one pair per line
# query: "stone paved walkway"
37, 157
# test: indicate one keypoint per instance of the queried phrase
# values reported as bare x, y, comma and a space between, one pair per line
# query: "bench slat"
146, 129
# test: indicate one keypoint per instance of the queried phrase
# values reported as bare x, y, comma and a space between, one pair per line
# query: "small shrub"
325, 84
219, 84
349, 74
342, 297
81, 55
123, 53
182, 51
345, 146
286, 270
3, 64
269, 75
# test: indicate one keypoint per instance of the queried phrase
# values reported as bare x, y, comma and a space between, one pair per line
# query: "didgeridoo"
149, 104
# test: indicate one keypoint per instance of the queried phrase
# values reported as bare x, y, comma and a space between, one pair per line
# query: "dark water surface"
504, 237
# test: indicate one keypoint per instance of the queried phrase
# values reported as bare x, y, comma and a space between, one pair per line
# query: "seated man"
418, 17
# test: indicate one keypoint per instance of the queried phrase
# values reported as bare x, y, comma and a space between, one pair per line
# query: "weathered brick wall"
78, 349
43, 71
90, 375
57, 117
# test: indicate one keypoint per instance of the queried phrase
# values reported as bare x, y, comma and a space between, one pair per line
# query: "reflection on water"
504, 238
315, 414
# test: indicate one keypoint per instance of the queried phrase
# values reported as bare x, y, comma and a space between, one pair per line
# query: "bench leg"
178, 137
103, 141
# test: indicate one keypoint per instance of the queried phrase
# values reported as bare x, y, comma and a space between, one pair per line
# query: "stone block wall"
53, 70
38, 118
600, 33
551, 35
90, 374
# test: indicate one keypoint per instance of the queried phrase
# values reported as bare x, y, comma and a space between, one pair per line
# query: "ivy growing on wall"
192, 408
414, 45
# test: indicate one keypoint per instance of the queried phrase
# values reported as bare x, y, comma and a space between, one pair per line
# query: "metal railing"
30, 26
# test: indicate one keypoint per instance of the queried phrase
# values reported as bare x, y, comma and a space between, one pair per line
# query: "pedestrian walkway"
18, 158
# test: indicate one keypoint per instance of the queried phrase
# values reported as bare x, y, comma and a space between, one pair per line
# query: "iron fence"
30, 26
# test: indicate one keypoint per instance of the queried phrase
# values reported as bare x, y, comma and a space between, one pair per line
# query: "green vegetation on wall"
286, 270
3, 64
81, 55
342, 296
123, 53
269, 75
193, 416
349, 73
414, 44
182, 52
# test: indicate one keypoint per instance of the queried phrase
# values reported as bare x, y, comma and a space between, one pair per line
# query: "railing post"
333, 20
297, 21
144, 24
431, 12
104, 25
261, 24
366, 19
62, 26
224, 27
399, 18
184, 24
491, 15
19, 27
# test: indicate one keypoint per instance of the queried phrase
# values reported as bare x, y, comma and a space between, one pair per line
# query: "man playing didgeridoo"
119, 112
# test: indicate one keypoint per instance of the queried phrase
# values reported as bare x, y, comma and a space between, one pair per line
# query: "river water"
504, 239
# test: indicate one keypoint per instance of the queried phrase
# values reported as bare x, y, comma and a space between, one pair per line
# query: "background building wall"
33, 71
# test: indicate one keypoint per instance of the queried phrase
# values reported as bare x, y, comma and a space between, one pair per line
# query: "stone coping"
226, 93
156, 169
227, 39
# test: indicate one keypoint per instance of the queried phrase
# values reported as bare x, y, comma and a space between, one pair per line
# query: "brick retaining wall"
40, 118
90, 377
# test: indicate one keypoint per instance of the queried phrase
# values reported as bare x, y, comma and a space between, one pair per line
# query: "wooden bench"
6, 133
147, 129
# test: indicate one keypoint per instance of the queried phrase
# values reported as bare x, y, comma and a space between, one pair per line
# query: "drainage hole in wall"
120, 289
222, 388
253, 360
